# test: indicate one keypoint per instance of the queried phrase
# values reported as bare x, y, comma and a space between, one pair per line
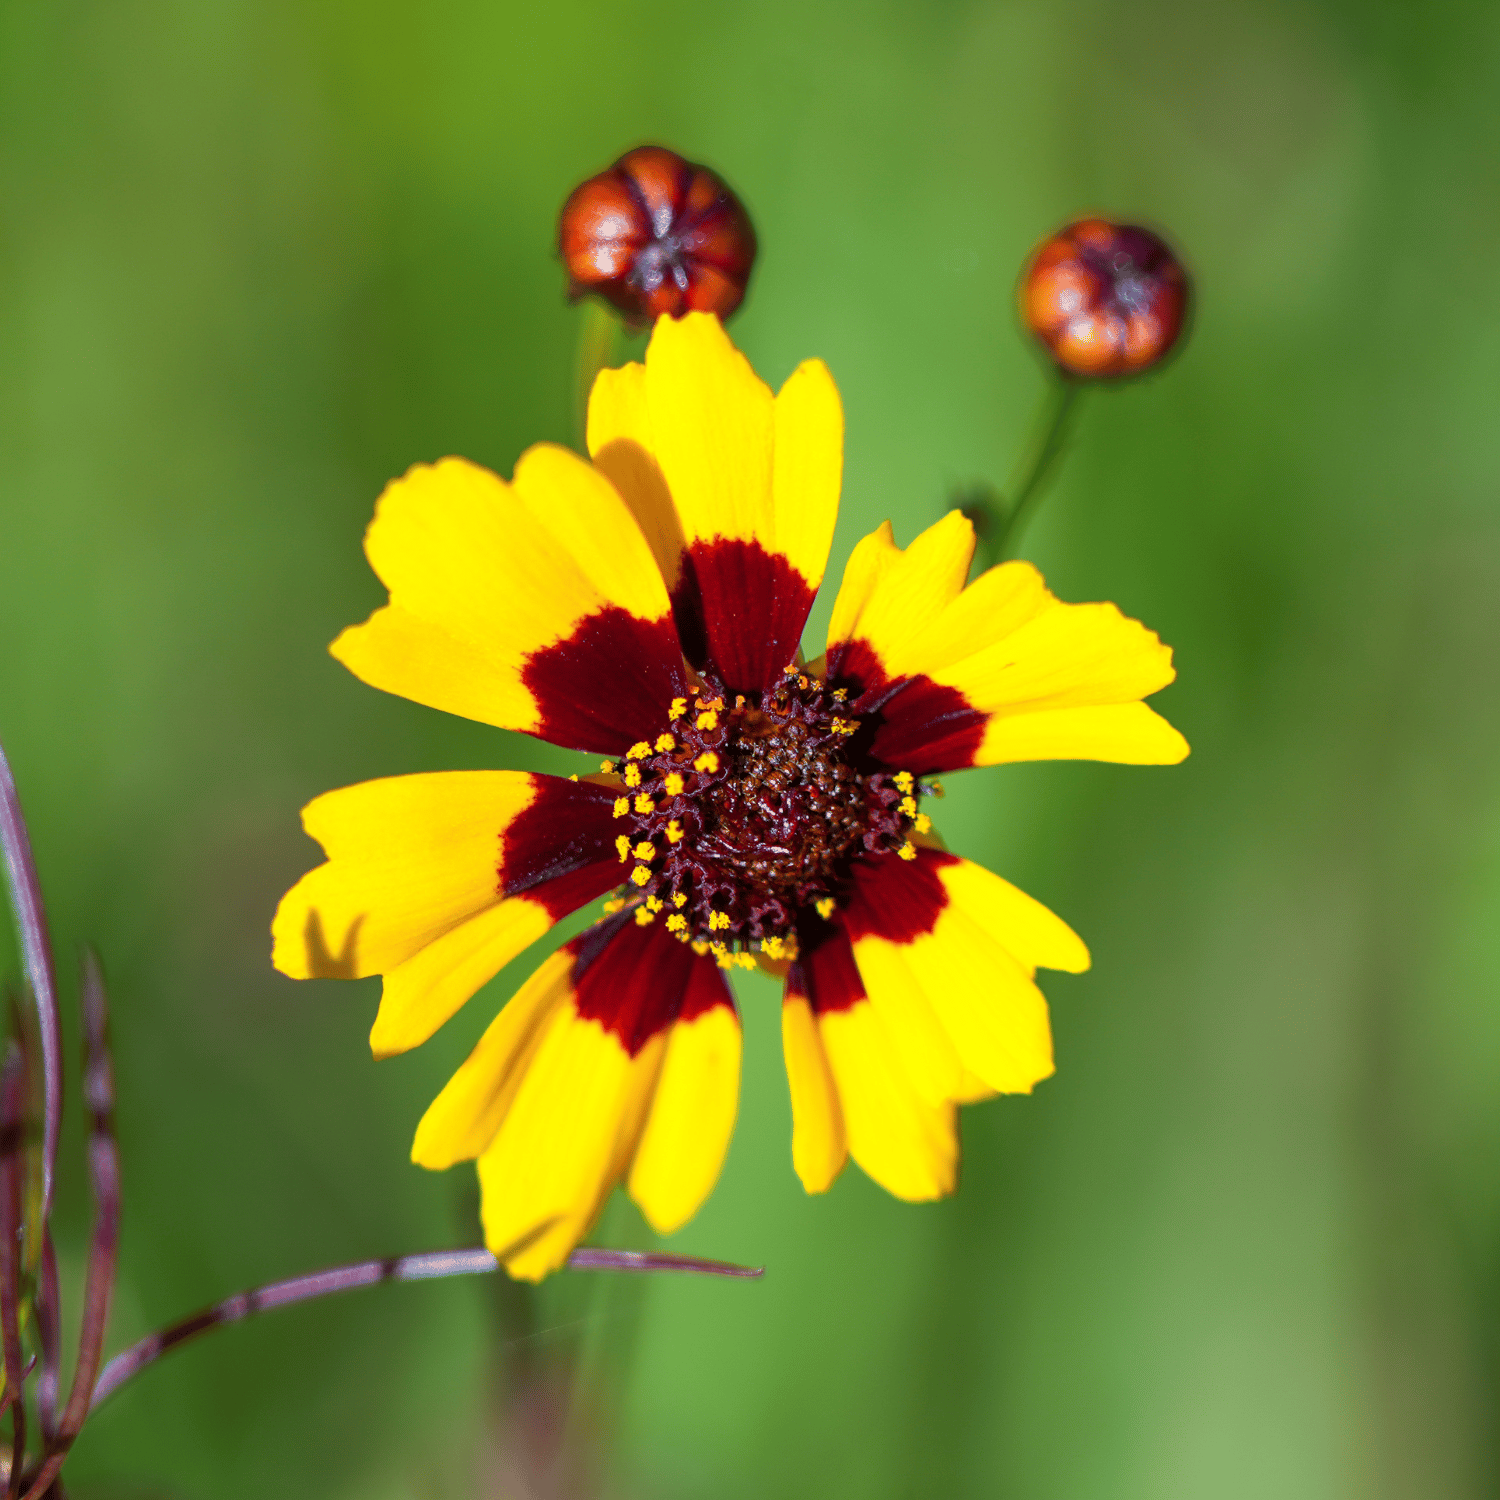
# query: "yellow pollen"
802, 682
904, 780
653, 903
678, 708
773, 947
644, 918
665, 742
622, 844
674, 832
622, 806
638, 751
909, 806
673, 784
825, 907
645, 851
744, 960
643, 804
632, 775
606, 766
573, 777
718, 920
739, 700
640, 875
840, 694
677, 922
708, 761
922, 823
908, 850
708, 719
724, 960
700, 947
614, 904
680, 899
843, 726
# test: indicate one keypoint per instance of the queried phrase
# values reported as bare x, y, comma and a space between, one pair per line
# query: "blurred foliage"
255, 258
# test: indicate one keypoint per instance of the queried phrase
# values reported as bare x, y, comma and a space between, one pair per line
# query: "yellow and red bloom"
649, 605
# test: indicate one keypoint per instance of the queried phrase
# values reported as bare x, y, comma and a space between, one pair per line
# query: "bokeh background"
257, 256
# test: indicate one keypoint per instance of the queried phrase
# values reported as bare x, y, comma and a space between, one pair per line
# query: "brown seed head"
656, 234
1107, 300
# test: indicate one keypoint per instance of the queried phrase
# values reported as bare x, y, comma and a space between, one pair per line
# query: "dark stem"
429, 1266
36, 954
12, 1173
104, 1176
1029, 483
49, 1332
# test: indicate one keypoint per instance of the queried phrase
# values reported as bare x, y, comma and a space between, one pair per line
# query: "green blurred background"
255, 258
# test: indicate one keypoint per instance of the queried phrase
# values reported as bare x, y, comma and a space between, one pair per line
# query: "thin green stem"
598, 334
1029, 484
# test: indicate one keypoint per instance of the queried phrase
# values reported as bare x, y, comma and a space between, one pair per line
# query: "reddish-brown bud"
656, 234
1106, 299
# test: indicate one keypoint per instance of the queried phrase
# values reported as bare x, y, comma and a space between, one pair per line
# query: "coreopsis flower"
1105, 300
753, 808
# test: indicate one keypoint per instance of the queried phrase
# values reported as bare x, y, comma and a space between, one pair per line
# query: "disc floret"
745, 815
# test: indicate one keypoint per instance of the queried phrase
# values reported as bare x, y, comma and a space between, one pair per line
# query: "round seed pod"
656, 234
1105, 300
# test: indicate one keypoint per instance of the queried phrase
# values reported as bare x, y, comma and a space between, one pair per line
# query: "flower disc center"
745, 818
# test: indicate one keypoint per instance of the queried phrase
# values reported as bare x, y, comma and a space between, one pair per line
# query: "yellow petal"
713, 424
1034, 936
890, 596
974, 968
994, 1013
409, 858
420, 995
923, 1044
736, 491
461, 1122
692, 1118
807, 468
415, 880
997, 670
1064, 657
620, 443
1128, 733
819, 1147
972, 1089
560, 1149
910, 1147
699, 448
873, 557
487, 577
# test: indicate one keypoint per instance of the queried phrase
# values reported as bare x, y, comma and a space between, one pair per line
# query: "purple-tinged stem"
49, 1335
36, 954
104, 1176
651, 1260
431, 1265
12, 1172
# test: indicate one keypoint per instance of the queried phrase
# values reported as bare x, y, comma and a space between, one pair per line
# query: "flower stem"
429, 1266
36, 954
104, 1242
598, 331
1037, 467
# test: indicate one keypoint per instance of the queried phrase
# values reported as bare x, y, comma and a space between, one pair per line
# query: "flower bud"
1107, 300
656, 234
